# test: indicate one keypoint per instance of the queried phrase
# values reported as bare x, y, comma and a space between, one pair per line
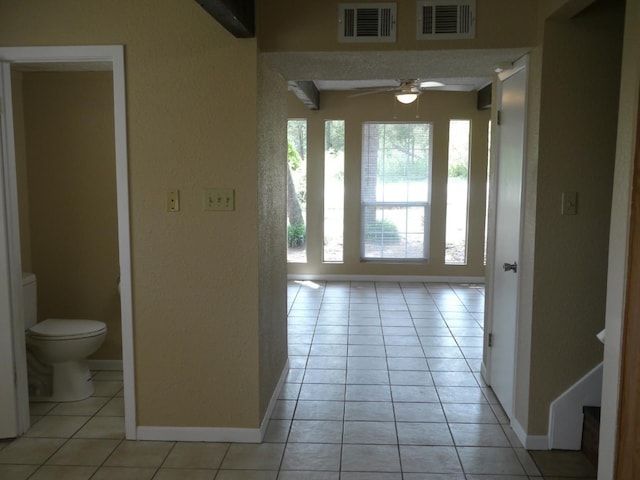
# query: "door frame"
71, 56
627, 458
11, 339
518, 66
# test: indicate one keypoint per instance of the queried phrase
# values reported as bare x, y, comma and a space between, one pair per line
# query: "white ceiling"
465, 70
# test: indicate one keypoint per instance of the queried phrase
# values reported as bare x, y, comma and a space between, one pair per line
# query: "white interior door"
512, 95
8, 390
12, 419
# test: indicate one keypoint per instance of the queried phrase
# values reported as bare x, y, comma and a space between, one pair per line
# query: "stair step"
591, 433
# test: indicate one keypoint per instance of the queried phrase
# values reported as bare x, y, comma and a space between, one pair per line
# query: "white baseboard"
274, 399
565, 412
215, 434
530, 442
115, 365
199, 434
384, 278
484, 372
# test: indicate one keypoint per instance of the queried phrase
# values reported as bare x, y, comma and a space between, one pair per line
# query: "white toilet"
57, 351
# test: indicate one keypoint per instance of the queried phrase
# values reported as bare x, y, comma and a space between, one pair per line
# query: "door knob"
510, 266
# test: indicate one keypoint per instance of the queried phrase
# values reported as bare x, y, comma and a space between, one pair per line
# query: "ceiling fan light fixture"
406, 98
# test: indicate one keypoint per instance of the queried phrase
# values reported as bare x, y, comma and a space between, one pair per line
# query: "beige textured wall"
272, 133
196, 292
72, 214
291, 25
195, 273
435, 107
580, 72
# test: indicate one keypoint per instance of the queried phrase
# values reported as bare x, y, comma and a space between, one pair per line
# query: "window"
333, 191
297, 191
396, 188
457, 193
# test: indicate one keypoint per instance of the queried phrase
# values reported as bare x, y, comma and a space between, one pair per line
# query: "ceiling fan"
406, 91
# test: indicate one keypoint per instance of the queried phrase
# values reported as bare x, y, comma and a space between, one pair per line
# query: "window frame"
324, 260
467, 207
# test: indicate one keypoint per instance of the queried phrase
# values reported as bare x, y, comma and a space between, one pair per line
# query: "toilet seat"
64, 329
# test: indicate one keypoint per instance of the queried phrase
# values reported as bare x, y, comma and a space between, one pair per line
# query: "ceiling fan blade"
449, 87
375, 90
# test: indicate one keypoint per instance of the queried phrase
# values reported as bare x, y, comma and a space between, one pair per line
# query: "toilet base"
63, 382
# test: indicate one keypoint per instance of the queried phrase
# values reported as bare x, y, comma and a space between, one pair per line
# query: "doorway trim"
76, 56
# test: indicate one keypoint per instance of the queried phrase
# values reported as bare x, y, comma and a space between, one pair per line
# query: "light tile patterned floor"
384, 385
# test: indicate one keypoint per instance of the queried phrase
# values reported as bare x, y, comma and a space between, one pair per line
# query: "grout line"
380, 296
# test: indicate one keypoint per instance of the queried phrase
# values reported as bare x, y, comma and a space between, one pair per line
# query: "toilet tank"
30, 299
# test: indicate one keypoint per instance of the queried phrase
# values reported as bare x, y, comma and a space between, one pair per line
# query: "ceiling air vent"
446, 19
367, 22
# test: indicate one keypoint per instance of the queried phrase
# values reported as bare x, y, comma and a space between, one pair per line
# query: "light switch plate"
219, 199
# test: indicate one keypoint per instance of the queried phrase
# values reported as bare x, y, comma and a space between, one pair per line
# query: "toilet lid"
64, 328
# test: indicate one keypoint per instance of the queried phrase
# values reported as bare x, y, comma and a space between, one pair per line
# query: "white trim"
485, 373
274, 399
61, 54
199, 434
105, 365
518, 65
113, 55
124, 240
383, 278
530, 442
215, 434
565, 412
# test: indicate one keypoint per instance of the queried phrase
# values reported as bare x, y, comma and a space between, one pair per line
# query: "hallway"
384, 385
393, 372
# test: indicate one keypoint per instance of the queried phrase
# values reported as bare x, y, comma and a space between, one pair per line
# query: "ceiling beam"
307, 92
570, 9
483, 97
237, 16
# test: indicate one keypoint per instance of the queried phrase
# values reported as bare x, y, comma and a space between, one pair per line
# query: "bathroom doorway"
44, 64
65, 169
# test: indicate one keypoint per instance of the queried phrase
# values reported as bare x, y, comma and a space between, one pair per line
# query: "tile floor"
384, 385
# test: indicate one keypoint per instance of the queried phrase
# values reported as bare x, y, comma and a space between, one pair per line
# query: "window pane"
396, 169
333, 191
297, 191
457, 193
394, 232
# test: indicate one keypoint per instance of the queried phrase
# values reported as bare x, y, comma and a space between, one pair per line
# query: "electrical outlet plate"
173, 201
219, 199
